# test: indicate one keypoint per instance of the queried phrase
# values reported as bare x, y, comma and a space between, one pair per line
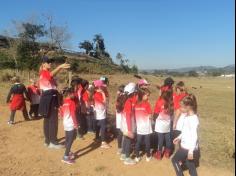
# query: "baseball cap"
99, 83
142, 82
45, 59
130, 88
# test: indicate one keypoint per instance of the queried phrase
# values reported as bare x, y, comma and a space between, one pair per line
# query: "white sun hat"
130, 88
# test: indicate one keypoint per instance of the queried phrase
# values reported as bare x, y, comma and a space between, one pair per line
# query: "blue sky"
153, 34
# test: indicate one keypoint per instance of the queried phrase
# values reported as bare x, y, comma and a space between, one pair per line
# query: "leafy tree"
28, 49
99, 44
32, 31
193, 73
87, 46
134, 69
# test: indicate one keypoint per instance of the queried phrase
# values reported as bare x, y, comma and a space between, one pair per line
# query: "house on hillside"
228, 76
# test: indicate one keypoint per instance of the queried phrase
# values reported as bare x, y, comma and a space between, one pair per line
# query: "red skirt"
17, 102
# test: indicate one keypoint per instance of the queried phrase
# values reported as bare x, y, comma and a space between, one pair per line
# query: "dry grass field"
22, 151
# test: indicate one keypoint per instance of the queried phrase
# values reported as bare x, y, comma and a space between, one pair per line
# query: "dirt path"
22, 153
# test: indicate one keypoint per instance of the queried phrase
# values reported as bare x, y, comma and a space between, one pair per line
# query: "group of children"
84, 106
17, 96
173, 123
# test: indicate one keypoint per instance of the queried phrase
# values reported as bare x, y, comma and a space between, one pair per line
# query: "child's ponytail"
120, 102
191, 101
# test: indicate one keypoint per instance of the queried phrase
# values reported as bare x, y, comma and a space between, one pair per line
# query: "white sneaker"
10, 123
129, 161
137, 159
55, 146
148, 159
105, 145
122, 157
119, 151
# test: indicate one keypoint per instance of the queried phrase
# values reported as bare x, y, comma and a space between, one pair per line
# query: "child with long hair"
163, 111
84, 106
178, 95
188, 153
90, 110
143, 115
16, 97
128, 123
119, 108
100, 112
68, 114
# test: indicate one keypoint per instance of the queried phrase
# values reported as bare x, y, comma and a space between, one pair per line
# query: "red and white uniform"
34, 94
84, 101
46, 80
128, 119
177, 98
162, 124
67, 111
143, 114
99, 105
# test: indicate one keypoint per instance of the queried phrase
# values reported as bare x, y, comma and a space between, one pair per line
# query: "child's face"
183, 108
47, 65
180, 89
145, 97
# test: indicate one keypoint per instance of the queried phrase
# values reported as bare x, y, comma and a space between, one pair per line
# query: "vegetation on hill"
32, 40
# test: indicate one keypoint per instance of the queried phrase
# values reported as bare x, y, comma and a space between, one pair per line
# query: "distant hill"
203, 69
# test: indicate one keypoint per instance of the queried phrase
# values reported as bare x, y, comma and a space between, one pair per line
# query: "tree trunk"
70, 78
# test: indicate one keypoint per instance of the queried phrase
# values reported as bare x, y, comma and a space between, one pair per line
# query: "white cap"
130, 88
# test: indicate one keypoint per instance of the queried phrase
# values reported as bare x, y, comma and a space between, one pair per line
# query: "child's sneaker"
148, 159
105, 145
67, 160
122, 157
137, 159
119, 151
55, 146
71, 156
10, 122
129, 161
158, 155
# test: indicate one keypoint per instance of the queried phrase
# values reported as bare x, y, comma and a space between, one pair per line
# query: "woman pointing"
49, 104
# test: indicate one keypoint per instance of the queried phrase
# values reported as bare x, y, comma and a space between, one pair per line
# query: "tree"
134, 69
119, 58
58, 35
86, 45
193, 73
99, 44
32, 31
28, 49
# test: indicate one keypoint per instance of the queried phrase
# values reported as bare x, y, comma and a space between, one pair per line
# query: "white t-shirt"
68, 122
118, 120
180, 122
162, 123
189, 136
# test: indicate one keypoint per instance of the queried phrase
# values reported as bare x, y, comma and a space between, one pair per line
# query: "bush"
6, 77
